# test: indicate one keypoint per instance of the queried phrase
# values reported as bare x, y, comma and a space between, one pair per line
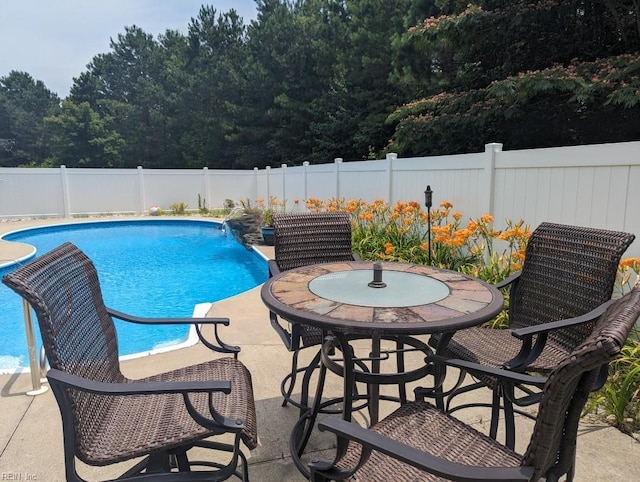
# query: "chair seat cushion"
494, 347
424, 427
125, 427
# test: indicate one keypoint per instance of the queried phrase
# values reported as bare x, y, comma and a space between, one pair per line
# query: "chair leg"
182, 461
245, 467
292, 379
159, 462
316, 477
304, 395
438, 393
495, 413
501, 402
402, 387
509, 424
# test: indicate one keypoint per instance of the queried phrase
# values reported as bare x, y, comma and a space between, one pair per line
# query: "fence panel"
583, 185
294, 188
230, 184
366, 180
30, 192
166, 187
321, 181
586, 185
456, 179
93, 191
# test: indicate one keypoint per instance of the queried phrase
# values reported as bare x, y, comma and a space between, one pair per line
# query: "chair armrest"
502, 374
166, 321
273, 268
415, 457
221, 346
556, 325
136, 388
507, 281
530, 351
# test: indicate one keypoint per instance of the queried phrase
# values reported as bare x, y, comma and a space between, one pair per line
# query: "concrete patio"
31, 436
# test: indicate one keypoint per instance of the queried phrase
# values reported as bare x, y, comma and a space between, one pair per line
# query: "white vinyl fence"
593, 185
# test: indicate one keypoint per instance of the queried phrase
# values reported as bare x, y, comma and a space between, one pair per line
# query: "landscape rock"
247, 229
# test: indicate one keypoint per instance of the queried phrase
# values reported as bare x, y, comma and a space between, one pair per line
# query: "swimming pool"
155, 268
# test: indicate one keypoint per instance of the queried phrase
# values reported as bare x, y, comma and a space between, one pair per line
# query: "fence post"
66, 202
207, 193
256, 180
305, 173
391, 157
141, 191
337, 161
487, 192
283, 171
268, 185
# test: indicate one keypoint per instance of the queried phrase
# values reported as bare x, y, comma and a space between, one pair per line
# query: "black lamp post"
428, 202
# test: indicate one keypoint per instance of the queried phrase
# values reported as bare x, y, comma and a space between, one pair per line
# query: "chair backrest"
567, 272
78, 334
310, 238
553, 440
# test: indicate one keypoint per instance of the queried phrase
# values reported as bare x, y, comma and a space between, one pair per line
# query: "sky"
54, 40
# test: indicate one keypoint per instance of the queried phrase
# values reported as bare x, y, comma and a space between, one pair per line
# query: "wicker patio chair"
566, 280
419, 442
301, 240
109, 418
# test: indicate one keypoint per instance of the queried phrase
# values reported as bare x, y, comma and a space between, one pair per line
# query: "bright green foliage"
400, 233
620, 397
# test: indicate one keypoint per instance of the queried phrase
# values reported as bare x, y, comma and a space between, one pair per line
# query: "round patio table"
358, 299
416, 300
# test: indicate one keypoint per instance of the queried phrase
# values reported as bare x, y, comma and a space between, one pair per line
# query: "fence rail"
593, 185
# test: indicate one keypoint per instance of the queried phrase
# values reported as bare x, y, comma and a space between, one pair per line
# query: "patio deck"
31, 436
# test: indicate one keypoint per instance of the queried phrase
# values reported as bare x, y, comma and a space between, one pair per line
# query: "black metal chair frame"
63, 289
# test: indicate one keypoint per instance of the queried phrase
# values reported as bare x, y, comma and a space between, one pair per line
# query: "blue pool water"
155, 268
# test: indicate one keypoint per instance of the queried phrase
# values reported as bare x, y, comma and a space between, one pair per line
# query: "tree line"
311, 80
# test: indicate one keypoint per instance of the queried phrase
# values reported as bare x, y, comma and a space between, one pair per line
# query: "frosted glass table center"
402, 289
